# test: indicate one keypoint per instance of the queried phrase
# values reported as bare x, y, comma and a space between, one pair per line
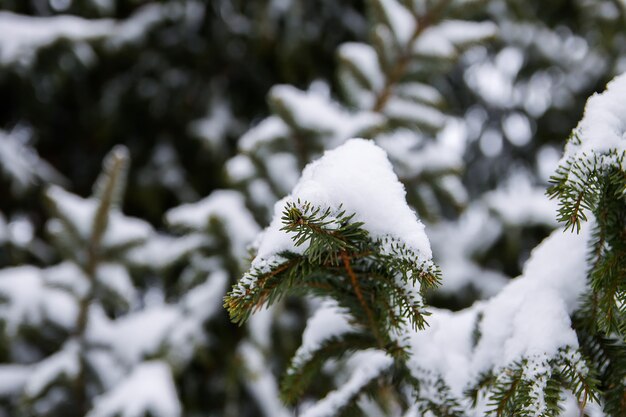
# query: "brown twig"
357, 289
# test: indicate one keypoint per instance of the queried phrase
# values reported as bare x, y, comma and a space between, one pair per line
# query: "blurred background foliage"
219, 57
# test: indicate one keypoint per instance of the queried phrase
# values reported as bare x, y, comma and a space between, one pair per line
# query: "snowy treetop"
356, 177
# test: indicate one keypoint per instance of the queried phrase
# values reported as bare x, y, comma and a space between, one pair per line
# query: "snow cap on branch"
356, 177
603, 126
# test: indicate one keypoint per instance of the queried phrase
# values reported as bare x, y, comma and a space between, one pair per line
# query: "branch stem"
359, 294
397, 72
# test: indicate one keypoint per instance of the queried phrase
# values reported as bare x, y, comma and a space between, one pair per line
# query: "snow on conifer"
367, 366
603, 126
347, 233
590, 182
596, 149
527, 322
356, 177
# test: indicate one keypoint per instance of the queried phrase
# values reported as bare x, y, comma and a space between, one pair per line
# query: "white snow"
547, 161
420, 92
517, 129
20, 286
529, 318
456, 244
148, 389
121, 230
21, 231
140, 22
433, 43
200, 304
519, 203
571, 407
136, 335
399, 18
19, 160
464, 32
371, 364
268, 130
226, 206
240, 168
491, 143
69, 276
107, 366
260, 381
365, 60
115, 278
359, 178
31, 302
161, 251
16, 160
204, 300
414, 155
260, 325
22, 35
493, 83
603, 126
327, 322
4, 230
314, 112
48, 371
283, 170
408, 111
261, 194
12, 378
173, 329
445, 347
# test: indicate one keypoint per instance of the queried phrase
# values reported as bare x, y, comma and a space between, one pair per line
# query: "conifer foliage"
590, 185
374, 269
555, 348
336, 255
591, 181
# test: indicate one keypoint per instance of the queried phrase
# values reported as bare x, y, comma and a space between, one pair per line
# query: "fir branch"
595, 183
357, 290
109, 189
432, 395
607, 355
340, 260
532, 386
